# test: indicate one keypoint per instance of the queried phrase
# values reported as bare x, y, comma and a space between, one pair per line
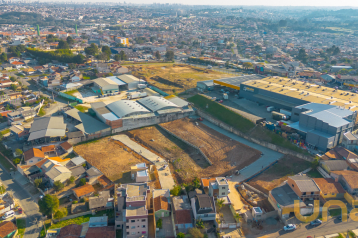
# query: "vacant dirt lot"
185, 162
174, 77
225, 154
278, 173
111, 157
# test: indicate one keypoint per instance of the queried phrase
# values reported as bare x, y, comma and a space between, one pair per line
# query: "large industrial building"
233, 82
285, 93
322, 125
126, 114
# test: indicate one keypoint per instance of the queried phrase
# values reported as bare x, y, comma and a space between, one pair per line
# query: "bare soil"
225, 154
174, 77
111, 157
278, 173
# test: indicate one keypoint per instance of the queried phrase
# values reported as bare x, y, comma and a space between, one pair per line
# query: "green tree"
71, 180
176, 191
220, 203
18, 152
200, 224
92, 50
195, 233
123, 55
315, 162
247, 65
38, 182
157, 55
302, 55
196, 182
58, 215
70, 40
63, 45
180, 235
152, 38
13, 87
58, 186
333, 62
160, 223
13, 79
169, 55
103, 56
106, 50
48, 204
117, 57
3, 57
82, 182
336, 51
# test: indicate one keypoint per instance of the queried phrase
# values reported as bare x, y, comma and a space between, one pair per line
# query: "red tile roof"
183, 217
66, 146
206, 181
329, 186
161, 203
48, 148
6, 228
70, 231
101, 232
83, 190
34, 152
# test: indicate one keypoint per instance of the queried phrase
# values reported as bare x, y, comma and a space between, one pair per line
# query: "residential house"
93, 174
17, 64
75, 77
161, 207
48, 149
77, 172
7, 229
19, 132
334, 165
67, 147
58, 173
182, 214
83, 191
219, 188
304, 187
102, 232
348, 179
102, 201
133, 202
203, 207
33, 156
136, 168
339, 153
70, 231
329, 189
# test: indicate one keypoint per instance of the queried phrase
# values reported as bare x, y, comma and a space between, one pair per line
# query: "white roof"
155, 103
125, 108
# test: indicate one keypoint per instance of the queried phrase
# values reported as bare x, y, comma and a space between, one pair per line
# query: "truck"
141, 86
210, 67
225, 96
270, 109
287, 113
279, 116
134, 95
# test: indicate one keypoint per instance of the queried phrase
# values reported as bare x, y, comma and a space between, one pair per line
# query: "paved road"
26, 201
333, 225
165, 178
268, 157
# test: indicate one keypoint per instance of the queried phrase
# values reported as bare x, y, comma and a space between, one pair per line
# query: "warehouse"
284, 93
130, 80
46, 129
105, 86
322, 125
233, 82
126, 114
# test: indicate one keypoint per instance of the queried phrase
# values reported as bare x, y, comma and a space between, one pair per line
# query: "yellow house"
329, 188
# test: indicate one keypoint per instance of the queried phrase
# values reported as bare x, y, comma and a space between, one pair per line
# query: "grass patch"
335, 212
21, 226
222, 113
71, 92
4, 162
47, 224
42, 112
88, 142
3, 132
81, 108
82, 219
71, 155
285, 167
313, 173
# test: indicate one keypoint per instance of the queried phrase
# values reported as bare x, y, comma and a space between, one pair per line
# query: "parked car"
316, 222
221, 101
290, 227
8, 215
19, 210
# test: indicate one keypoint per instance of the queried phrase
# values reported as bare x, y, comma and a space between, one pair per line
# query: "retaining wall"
262, 143
188, 143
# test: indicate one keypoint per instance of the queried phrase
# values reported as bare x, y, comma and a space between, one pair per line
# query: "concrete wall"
259, 142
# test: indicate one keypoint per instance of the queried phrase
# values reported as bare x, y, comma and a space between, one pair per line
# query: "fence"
73, 216
256, 141
188, 143
254, 189
70, 97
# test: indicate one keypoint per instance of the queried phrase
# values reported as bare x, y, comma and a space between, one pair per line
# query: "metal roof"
89, 124
102, 82
127, 78
116, 80
304, 183
177, 101
285, 196
155, 103
236, 81
47, 127
125, 108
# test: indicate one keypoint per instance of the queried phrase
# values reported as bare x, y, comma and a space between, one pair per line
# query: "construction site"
111, 157
175, 78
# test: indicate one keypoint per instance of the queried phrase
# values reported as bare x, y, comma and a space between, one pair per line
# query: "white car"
290, 227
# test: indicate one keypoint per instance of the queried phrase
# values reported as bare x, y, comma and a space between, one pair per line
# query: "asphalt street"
28, 204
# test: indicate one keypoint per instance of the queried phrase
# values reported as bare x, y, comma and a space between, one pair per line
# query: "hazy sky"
353, 3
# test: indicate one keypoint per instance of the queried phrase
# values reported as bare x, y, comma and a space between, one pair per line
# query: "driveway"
269, 156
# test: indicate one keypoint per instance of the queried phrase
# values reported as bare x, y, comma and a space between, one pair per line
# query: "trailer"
270, 109
287, 113
279, 116
225, 96
134, 95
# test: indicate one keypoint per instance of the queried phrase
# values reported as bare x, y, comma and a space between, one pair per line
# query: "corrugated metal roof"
125, 108
110, 116
89, 124
127, 78
47, 126
116, 80
155, 103
102, 82
178, 101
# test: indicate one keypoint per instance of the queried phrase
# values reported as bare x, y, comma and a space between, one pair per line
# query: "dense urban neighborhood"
177, 121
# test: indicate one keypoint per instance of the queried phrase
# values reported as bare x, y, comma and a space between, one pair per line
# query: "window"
132, 227
127, 233
132, 220
292, 185
304, 193
127, 227
31, 161
143, 226
222, 193
133, 233
312, 193
206, 215
143, 220
143, 232
223, 188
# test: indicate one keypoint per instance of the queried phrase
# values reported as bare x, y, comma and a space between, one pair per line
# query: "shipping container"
225, 96
134, 95
270, 109
287, 113
279, 116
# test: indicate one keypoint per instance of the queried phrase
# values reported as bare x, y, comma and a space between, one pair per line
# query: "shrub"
176, 191
160, 223
58, 186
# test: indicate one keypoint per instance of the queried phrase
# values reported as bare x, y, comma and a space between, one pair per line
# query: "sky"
343, 3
